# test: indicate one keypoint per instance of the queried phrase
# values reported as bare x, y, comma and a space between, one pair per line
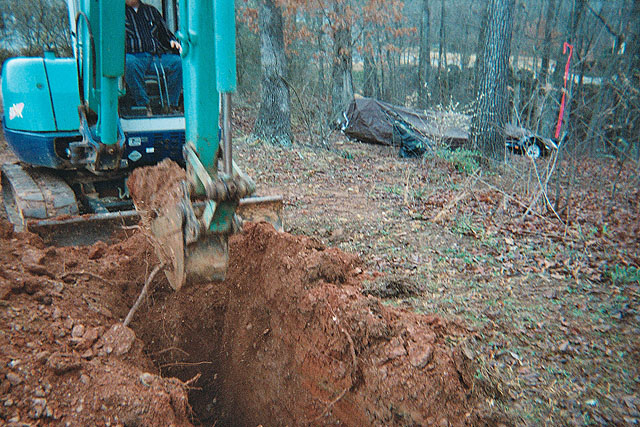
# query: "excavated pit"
289, 339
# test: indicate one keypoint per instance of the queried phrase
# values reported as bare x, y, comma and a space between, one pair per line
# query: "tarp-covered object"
370, 120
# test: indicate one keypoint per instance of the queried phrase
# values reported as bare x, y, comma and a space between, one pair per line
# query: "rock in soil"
61, 363
118, 340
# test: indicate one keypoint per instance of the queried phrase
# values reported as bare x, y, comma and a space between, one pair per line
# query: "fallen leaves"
544, 289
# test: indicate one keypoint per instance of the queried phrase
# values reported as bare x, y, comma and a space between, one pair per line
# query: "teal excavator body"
75, 145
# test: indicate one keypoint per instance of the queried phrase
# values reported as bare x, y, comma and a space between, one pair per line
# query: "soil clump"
153, 188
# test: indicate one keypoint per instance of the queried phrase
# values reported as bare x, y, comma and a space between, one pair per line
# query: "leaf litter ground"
552, 298
549, 305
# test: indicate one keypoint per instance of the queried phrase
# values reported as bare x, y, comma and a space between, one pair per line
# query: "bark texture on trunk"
544, 87
443, 84
370, 83
342, 86
632, 124
477, 69
491, 111
274, 118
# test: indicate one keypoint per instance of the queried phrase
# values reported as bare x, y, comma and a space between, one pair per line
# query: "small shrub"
465, 161
345, 154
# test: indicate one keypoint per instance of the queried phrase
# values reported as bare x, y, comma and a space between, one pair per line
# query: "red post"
564, 89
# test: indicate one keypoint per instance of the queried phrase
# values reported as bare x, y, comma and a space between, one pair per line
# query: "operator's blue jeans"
137, 65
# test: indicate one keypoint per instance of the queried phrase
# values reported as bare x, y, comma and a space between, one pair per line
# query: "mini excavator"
76, 143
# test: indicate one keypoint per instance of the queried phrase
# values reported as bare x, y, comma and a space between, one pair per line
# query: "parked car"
523, 141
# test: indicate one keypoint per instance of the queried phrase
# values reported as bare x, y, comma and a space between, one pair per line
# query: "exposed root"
143, 294
204, 362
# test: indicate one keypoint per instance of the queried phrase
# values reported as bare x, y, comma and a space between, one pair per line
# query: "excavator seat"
157, 90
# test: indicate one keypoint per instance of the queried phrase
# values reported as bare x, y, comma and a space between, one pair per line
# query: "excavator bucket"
169, 245
189, 257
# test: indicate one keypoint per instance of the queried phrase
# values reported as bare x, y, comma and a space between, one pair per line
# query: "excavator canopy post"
112, 67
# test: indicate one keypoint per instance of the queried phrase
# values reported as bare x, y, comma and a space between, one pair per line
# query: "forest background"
423, 54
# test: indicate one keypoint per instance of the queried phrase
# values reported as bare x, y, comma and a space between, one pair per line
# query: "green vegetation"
465, 161
623, 275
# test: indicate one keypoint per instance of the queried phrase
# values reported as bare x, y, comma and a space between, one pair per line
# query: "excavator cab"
76, 142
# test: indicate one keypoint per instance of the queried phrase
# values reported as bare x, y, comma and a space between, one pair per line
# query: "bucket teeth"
190, 255
207, 259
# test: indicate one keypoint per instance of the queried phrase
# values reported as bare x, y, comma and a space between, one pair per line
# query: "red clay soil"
63, 357
287, 339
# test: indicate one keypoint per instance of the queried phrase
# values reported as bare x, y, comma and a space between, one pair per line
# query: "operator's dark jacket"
146, 31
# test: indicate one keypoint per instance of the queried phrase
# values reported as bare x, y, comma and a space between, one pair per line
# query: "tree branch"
601, 19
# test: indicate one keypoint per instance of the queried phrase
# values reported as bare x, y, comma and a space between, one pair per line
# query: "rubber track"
36, 193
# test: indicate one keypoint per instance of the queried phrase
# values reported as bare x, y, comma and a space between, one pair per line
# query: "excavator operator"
148, 41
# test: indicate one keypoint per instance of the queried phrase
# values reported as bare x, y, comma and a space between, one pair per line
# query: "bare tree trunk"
342, 92
520, 19
370, 76
549, 24
604, 104
542, 92
321, 55
274, 118
442, 56
516, 119
551, 109
388, 94
370, 71
424, 57
565, 192
576, 19
478, 70
632, 50
631, 124
491, 111
383, 76
464, 67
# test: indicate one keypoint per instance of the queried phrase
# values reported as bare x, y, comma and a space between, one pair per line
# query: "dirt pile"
63, 358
